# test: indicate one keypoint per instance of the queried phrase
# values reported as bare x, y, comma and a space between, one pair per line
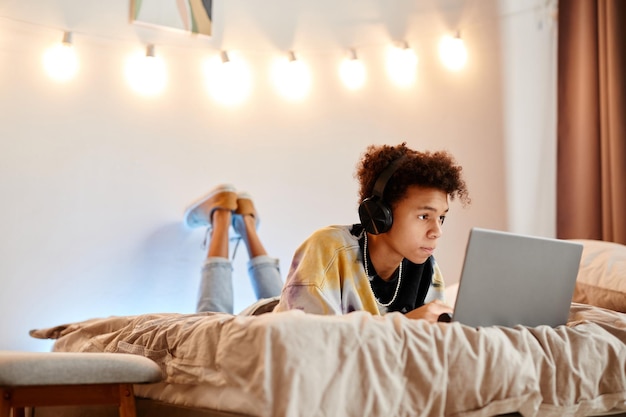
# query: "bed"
297, 364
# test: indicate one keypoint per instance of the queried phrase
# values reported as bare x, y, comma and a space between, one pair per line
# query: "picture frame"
190, 16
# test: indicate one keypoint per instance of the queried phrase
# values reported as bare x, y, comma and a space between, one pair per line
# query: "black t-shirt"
415, 283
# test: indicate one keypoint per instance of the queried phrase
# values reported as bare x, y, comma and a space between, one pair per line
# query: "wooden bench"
32, 379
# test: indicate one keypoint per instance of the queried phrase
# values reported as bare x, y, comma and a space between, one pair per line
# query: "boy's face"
417, 221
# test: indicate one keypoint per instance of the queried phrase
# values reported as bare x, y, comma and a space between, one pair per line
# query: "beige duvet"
296, 364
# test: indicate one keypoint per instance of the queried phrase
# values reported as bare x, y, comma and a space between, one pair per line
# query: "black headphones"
376, 216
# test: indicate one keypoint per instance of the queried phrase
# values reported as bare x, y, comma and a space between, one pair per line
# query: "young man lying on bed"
385, 263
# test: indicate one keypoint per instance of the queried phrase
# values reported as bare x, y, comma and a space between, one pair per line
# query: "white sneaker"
199, 214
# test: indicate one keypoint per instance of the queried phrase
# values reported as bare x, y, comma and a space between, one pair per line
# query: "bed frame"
154, 408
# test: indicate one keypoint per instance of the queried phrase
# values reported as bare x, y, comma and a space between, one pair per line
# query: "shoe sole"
187, 216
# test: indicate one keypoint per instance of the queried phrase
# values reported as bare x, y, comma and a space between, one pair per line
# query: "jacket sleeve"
313, 284
437, 285
327, 276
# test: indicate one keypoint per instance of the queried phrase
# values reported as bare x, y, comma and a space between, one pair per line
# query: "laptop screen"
510, 279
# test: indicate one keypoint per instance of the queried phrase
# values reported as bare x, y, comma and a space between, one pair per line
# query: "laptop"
510, 279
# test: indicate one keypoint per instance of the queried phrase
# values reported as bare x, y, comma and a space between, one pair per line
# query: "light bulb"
291, 77
402, 65
146, 74
60, 60
352, 71
453, 52
228, 78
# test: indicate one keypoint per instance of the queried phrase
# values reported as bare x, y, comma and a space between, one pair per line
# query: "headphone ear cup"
376, 216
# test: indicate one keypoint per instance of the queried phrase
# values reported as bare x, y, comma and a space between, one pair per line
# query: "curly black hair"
427, 169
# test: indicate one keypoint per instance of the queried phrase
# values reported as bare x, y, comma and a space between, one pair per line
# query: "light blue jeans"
216, 286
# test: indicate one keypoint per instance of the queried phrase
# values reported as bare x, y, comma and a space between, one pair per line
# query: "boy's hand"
430, 311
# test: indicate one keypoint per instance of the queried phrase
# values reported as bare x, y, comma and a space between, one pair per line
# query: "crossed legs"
219, 210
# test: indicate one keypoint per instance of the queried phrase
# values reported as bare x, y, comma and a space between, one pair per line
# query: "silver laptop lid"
510, 279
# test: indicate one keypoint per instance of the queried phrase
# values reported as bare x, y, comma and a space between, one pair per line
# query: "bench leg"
127, 401
5, 405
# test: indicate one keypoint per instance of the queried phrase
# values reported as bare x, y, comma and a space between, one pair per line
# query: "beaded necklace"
395, 294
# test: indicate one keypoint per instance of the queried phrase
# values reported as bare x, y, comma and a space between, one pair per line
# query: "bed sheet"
292, 363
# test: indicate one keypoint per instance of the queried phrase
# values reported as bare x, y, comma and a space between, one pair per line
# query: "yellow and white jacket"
327, 276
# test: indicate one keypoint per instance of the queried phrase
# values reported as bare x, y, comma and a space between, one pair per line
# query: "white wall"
529, 68
94, 178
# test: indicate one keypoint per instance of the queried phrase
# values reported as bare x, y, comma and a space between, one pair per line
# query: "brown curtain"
591, 132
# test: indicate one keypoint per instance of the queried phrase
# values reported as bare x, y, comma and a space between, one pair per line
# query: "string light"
452, 52
291, 77
230, 82
60, 61
402, 64
228, 78
352, 71
146, 74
